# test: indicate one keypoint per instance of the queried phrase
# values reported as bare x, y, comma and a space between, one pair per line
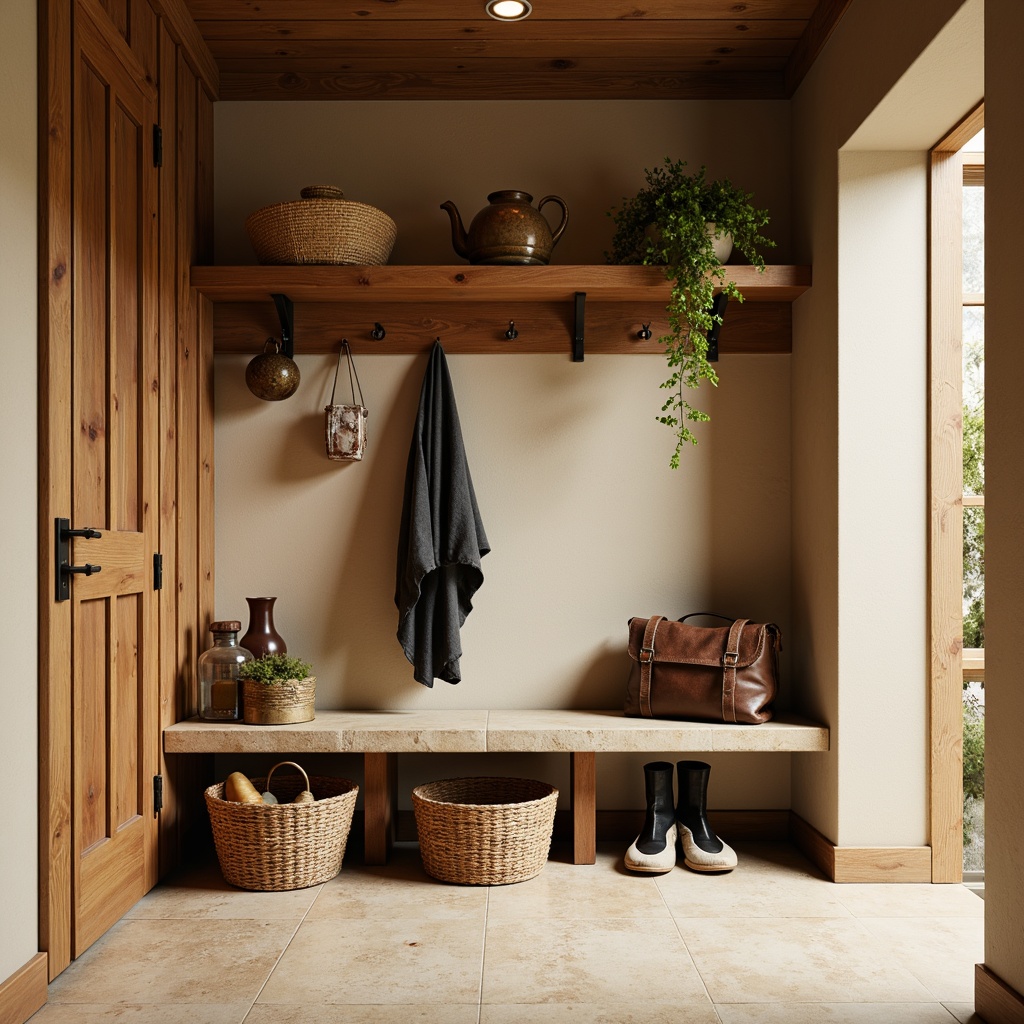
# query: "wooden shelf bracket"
578, 328
286, 314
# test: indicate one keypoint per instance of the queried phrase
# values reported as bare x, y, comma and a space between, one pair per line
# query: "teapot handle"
557, 233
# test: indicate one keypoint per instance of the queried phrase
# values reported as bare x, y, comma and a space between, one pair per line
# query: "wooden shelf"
469, 307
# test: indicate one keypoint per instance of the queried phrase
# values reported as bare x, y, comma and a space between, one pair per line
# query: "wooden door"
114, 484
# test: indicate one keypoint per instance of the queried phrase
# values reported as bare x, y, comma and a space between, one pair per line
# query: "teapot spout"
459, 241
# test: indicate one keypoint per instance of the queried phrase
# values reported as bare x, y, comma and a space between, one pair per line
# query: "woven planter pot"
322, 227
273, 847
280, 702
484, 831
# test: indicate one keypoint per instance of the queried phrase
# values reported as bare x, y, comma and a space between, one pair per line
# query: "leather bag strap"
729, 661
710, 615
646, 658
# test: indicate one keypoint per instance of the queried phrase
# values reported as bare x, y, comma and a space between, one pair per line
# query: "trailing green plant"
274, 668
665, 224
974, 760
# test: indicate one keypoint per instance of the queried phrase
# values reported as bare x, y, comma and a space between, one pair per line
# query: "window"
974, 507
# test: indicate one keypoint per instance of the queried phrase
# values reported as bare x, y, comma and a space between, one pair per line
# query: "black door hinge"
158, 571
158, 146
158, 794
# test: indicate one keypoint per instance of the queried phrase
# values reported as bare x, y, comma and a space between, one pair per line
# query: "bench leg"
583, 783
379, 798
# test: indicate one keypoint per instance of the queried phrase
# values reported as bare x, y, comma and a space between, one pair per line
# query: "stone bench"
380, 736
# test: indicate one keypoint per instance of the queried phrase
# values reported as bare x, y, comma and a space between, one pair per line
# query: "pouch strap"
729, 662
346, 351
646, 658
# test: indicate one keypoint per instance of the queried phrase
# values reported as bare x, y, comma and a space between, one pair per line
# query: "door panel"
114, 444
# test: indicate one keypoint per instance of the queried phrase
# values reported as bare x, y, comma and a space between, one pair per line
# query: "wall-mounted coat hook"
717, 312
511, 334
286, 314
644, 334
378, 333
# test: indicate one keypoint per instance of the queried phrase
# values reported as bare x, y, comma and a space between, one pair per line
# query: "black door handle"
88, 532
82, 570
62, 534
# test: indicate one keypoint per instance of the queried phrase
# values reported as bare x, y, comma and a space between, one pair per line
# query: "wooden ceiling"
566, 49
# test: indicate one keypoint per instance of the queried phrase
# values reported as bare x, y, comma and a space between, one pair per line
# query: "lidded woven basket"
484, 831
321, 227
275, 847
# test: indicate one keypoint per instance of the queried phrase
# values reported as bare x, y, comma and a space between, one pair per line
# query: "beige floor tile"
964, 1012
133, 1013
941, 952
602, 890
175, 962
910, 900
530, 960
755, 960
701, 1012
834, 1013
771, 880
385, 960
396, 1013
400, 889
201, 892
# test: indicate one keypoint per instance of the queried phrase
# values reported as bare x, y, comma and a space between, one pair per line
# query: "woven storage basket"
484, 831
289, 700
273, 847
322, 227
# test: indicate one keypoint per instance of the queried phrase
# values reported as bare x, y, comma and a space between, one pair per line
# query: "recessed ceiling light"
508, 10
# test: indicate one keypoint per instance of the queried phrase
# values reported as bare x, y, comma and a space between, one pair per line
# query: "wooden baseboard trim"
994, 1000
861, 863
24, 992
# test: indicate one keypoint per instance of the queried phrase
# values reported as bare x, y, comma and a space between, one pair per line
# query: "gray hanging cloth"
442, 539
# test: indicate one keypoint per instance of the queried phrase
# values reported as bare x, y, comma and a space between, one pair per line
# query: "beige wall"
1004, 456
587, 523
858, 379
18, 851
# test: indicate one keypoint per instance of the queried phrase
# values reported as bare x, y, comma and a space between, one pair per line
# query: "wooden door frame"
945, 489
55, 239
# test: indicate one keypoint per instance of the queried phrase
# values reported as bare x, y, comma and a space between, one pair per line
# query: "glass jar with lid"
220, 695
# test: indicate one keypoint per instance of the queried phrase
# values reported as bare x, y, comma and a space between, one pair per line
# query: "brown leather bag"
718, 673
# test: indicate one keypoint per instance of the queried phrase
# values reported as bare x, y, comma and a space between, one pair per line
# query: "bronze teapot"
509, 230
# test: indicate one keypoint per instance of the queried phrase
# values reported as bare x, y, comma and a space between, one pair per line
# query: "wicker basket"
484, 831
280, 702
273, 847
322, 227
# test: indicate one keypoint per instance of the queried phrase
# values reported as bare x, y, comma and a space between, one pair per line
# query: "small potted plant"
676, 222
277, 689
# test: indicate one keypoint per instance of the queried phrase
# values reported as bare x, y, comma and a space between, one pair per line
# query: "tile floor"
770, 943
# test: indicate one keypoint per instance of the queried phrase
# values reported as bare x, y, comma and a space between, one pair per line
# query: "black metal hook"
378, 333
511, 334
644, 334
286, 314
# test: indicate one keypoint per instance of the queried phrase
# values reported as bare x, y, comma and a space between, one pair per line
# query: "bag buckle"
649, 652
731, 659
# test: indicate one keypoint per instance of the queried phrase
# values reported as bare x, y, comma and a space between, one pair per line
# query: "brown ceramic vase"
261, 637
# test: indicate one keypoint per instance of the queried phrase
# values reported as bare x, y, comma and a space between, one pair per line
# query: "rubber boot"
702, 849
654, 850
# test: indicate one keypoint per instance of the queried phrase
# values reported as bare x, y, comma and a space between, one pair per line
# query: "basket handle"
281, 764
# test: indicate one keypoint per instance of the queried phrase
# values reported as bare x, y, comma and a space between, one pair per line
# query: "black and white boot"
702, 849
654, 850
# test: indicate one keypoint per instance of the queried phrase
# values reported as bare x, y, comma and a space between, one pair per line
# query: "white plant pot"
721, 243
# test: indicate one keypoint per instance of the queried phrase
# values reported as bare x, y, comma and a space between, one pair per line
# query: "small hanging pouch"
345, 425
